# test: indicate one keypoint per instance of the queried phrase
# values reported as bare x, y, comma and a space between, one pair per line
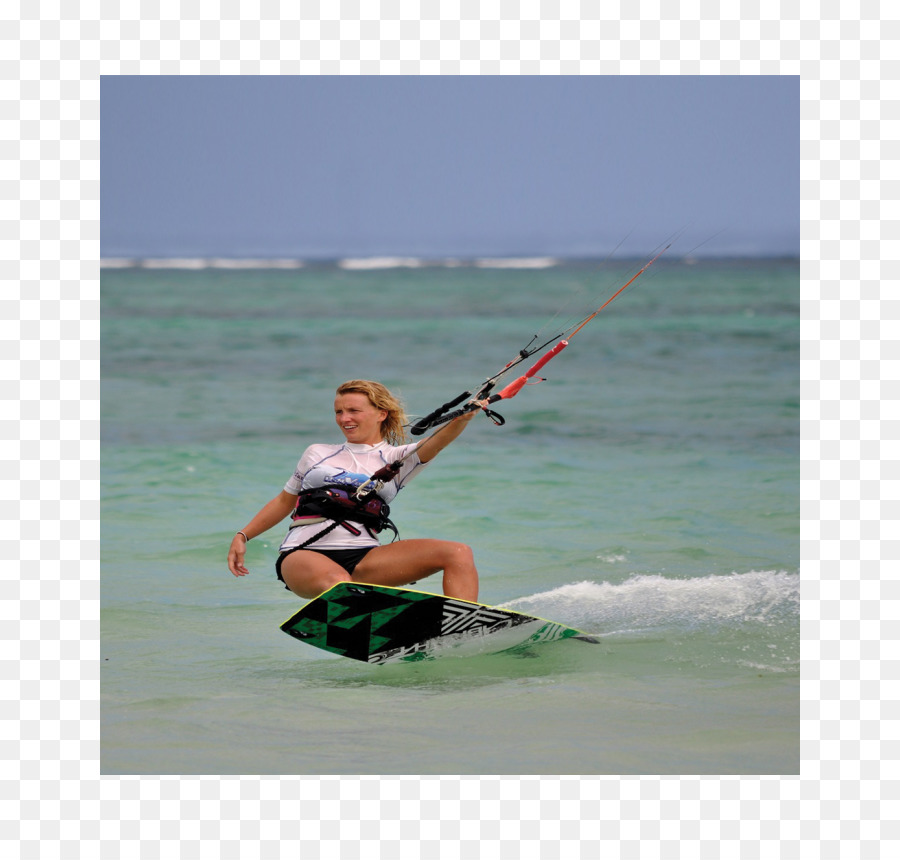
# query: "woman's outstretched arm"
436, 443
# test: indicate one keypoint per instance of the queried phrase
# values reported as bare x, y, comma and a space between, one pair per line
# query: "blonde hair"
392, 427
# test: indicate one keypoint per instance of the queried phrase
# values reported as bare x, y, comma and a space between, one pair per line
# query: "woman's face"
359, 420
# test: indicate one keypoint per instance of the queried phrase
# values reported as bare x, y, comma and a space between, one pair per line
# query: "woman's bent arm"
271, 514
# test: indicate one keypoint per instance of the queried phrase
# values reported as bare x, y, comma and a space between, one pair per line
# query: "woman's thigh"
308, 574
406, 561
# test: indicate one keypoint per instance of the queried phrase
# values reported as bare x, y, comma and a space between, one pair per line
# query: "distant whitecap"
381, 263
517, 263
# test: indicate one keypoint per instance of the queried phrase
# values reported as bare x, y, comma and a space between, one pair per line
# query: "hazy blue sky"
324, 167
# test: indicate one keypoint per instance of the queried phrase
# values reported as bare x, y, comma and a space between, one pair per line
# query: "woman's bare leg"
308, 574
406, 561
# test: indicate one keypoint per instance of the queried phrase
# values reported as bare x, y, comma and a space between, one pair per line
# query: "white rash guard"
349, 465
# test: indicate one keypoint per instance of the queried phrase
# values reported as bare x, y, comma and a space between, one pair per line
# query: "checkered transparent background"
54, 802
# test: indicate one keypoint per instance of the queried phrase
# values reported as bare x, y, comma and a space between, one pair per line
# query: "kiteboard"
377, 624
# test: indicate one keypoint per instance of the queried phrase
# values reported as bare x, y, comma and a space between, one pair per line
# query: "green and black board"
376, 624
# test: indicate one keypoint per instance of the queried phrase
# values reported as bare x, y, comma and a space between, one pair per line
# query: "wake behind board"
377, 624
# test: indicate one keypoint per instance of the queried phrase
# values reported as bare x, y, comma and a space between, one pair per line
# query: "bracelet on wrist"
244, 536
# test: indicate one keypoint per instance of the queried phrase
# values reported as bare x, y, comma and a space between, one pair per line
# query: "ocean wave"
654, 603
517, 263
364, 263
346, 263
199, 263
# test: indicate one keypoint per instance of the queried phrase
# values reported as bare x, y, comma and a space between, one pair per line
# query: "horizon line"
376, 262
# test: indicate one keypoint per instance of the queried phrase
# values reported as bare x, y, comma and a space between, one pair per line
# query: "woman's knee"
461, 554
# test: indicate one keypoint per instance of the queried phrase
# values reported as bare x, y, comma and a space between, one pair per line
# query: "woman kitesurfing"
338, 497
333, 534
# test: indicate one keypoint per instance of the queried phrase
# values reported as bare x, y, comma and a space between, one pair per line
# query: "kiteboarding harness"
343, 507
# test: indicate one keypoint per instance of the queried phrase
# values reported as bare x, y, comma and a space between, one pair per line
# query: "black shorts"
346, 558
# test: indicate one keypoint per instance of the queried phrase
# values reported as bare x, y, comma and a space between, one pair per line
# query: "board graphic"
377, 624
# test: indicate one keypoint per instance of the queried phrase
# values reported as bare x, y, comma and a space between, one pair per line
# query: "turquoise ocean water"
647, 493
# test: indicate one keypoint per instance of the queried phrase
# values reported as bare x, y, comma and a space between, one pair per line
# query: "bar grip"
424, 423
